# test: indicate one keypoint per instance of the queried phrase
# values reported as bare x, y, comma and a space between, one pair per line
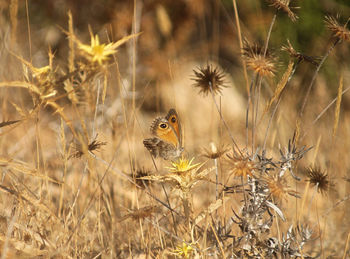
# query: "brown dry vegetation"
76, 180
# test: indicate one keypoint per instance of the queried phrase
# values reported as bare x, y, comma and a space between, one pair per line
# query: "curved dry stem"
239, 33
223, 121
314, 77
269, 33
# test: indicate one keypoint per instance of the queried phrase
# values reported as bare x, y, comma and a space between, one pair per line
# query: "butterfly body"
167, 140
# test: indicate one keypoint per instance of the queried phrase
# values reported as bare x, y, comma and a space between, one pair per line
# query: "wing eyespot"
173, 119
163, 126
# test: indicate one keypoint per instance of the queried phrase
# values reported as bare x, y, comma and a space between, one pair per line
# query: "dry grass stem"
337, 106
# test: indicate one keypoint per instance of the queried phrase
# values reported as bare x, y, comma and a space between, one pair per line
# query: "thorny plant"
265, 188
84, 69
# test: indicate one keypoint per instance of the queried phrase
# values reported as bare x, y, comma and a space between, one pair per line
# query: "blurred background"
179, 32
178, 37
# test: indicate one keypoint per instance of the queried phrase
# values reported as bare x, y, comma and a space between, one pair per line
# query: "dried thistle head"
141, 213
279, 188
214, 152
257, 60
290, 155
300, 56
95, 145
140, 173
44, 78
240, 165
319, 178
284, 5
209, 79
339, 32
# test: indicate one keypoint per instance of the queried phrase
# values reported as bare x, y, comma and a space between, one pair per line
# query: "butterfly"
167, 142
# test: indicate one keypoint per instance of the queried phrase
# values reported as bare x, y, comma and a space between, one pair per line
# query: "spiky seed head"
284, 5
299, 56
257, 60
319, 178
142, 173
240, 165
214, 152
340, 32
95, 145
279, 188
141, 213
208, 79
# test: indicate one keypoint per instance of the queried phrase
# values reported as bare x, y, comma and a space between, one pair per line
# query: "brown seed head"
240, 165
284, 6
261, 63
95, 145
208, 79
319, 178
214, 152
142, 173
279, 188
339, 32
141, 213
298, 55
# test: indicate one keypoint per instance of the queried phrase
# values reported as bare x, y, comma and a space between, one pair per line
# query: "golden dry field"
175, 129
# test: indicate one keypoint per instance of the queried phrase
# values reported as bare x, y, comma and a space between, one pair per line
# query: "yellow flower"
182, 165
183, 173
99, 53
184, 250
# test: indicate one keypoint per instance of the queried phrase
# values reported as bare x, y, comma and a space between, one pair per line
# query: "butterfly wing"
160, 148
162, 129
167, 140
173, 120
